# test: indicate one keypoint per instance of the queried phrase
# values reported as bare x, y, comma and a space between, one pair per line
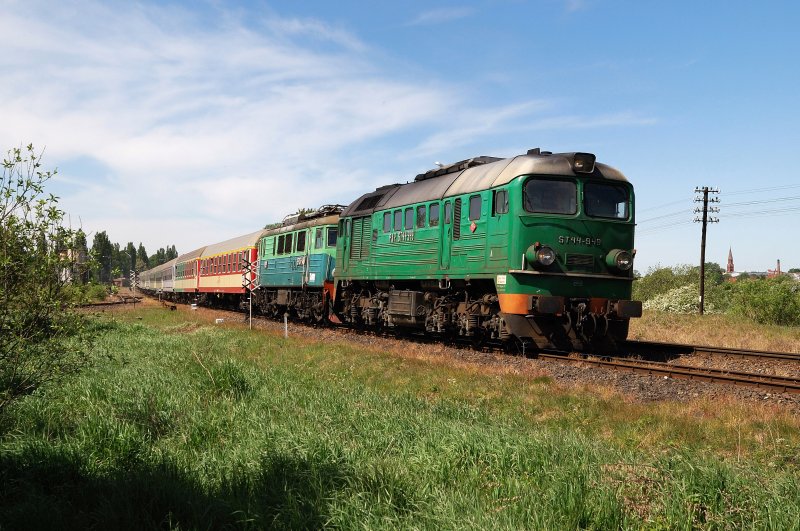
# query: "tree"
130, 253
41, 337
142, 260
103, 254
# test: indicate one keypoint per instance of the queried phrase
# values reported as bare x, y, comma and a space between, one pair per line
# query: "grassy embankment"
181, 423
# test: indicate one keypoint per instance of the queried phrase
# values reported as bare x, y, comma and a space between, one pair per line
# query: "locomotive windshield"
603, 200
551, 196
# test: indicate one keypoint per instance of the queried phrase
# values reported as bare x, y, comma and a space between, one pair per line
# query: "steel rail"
640, 346
762, 381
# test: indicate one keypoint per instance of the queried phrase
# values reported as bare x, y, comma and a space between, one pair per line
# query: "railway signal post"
134, 282
249, 270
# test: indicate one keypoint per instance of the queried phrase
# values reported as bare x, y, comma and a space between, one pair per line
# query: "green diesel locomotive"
536, 248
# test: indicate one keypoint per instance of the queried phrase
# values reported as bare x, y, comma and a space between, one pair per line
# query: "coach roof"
234, 244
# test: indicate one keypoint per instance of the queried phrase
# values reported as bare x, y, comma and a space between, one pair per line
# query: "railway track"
652, 360
654, 350
782, 384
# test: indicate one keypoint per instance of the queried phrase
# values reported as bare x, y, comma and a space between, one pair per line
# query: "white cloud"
204, 126
442, 15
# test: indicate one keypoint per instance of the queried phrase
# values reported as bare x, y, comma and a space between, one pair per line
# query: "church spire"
730, 261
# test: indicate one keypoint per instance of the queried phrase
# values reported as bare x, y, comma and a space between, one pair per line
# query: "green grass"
183, 424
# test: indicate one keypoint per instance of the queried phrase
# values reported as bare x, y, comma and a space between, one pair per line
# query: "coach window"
288, 244
318, 239
475, 207
434, 214
332, 234
301, 241
387, 222
420, 216
398, 220
500, 202
409, 219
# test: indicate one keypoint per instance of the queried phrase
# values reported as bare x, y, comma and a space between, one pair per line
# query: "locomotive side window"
288, 244
387, 222
318, 239
281, 241
420, 216
301, 241
434, 215
448, 212
475, 207
332, 234
409, 219
398, 220
500, 202
551, 196
602, 200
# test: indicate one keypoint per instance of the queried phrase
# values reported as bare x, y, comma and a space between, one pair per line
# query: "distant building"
730, 269
772, 273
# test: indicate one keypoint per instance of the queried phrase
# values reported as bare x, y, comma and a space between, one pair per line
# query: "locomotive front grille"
582, 262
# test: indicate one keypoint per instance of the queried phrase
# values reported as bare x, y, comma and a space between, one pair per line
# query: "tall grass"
180, 424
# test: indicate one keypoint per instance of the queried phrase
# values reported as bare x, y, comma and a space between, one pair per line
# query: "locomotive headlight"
583, 163
539, 255
545, 256
620, 259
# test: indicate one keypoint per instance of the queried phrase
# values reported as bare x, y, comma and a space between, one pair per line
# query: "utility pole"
705, 190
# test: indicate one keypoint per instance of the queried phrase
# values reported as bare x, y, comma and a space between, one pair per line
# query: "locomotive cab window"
387, 222
475, 207
603, 200
550, 196
448, 212
500, 202
332, 234
434, 215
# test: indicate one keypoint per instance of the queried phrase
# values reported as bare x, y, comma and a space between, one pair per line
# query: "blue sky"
191, 122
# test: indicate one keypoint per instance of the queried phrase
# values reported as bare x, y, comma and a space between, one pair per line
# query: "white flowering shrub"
683, 299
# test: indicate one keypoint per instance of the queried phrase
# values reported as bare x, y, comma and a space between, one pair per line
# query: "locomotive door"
344, 237
446, 236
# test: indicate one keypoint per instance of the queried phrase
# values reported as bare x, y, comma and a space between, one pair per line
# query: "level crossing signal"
249, 271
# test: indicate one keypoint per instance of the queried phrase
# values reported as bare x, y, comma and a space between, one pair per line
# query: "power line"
671, 203
763, 201
759, 190
670, 215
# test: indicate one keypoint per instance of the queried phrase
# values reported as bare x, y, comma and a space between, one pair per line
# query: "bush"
683, 299
767, 301
661, 280
41, 339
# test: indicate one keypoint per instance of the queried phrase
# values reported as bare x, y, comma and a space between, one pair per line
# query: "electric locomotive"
296, 261
537, 248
